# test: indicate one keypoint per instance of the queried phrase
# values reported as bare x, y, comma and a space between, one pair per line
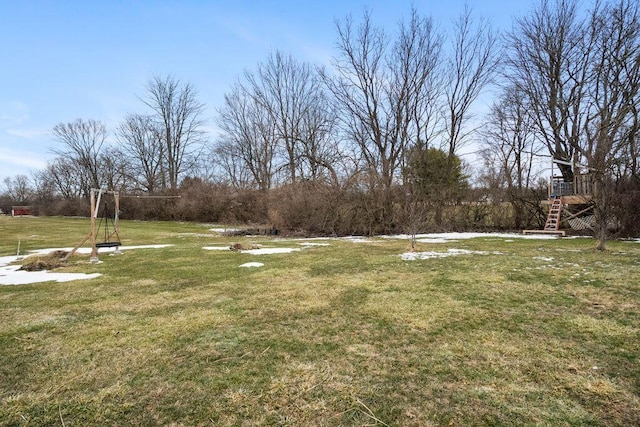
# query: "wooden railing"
581, 186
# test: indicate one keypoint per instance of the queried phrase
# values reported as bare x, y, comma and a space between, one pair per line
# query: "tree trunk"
600, 211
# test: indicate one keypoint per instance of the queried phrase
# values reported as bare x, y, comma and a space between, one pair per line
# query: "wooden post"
116, 198
94, 249
550, 189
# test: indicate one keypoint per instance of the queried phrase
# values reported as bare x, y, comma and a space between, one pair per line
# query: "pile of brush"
44, 262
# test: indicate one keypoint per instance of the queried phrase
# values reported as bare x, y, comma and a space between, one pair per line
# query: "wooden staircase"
552, 226
553, 219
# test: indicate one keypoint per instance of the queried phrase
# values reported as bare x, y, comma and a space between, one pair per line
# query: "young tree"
429, 173
180, 116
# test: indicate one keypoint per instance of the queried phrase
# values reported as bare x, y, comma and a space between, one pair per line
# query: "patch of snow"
462, 236
357, 239
6, 260
269, 251
216, 248
313, 244
194, 235
252, 264
412, 256
222, 230
434, 240
11, 275
543, 258
87, 250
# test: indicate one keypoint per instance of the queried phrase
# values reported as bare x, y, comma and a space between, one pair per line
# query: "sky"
63, 60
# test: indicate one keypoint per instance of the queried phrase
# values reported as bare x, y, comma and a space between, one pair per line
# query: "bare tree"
18, 188
82, 144
248, 135
417, 84
548, 62
43, 188
581, 74
65, 177
114, 169
320, 152
234, 170
385, 91
142, 146
292, 95
509, 145
279, 122
179, 114
613, 99
470, 70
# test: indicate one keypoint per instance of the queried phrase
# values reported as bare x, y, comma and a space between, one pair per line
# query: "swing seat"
108, 244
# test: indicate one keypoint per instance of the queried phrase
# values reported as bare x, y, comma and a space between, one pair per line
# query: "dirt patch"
243, 247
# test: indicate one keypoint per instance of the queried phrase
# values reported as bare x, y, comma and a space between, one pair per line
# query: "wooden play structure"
569, 202
104, 232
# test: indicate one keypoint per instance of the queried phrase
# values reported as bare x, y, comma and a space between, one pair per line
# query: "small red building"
21, 210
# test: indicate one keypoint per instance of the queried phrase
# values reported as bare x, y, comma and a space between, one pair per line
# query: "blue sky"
63, 60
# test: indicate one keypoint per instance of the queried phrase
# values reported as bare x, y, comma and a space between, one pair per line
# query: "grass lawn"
525, 332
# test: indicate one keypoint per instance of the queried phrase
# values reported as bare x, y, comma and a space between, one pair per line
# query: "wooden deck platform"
560, 233
575, 199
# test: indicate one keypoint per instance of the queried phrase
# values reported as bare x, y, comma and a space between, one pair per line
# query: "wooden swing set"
107, 227
108, 230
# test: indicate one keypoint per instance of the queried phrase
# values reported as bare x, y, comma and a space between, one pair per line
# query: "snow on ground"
447, 237
269, 251
11, 275
216, 248
313, 244
435, 240
252, 264
357, 239
87, 251
222, 230
412, 256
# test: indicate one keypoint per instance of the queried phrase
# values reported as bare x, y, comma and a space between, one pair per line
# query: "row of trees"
386, 122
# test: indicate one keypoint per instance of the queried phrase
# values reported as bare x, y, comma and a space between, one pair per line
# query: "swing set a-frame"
106, 229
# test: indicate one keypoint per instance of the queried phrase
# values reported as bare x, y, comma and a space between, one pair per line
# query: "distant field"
340, 332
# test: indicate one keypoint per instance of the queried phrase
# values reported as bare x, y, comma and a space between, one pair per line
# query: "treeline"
371, 143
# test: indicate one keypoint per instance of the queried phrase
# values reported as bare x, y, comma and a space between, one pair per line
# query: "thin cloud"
27, 133
13, 113
21, 159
